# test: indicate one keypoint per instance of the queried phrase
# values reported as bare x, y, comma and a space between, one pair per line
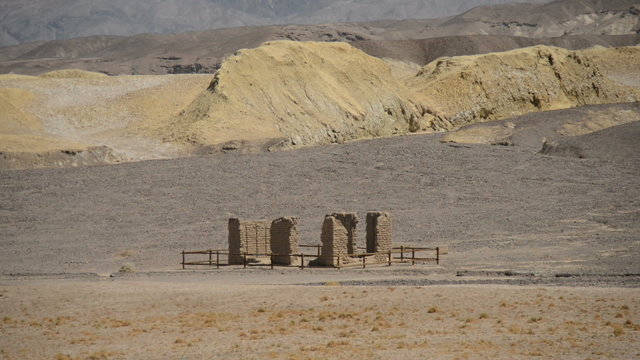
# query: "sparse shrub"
432, 310
127, 254
127, 268
483, 316
618, 331
535, 319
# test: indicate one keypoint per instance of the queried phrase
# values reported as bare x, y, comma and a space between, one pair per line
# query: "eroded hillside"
302, 93
288, 94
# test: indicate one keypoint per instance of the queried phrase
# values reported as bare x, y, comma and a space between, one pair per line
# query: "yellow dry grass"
160, 319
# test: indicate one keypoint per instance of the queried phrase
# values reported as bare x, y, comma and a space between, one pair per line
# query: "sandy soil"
204, 317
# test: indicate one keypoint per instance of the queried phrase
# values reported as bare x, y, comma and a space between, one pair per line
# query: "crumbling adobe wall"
252, 237
338, 238
284, 239
349, 221
379, 234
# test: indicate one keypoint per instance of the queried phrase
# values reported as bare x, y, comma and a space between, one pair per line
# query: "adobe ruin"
278, 240
284, 240
379, 234
250, 237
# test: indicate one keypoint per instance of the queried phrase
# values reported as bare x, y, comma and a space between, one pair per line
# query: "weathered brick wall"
284, 239
379, 234
338, 236
252, 237
349, 221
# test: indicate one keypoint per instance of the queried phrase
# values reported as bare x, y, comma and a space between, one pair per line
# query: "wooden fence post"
217, 259
302, 260
401, 253
438, 255
413, 256
389, 257
244, 259
182, 259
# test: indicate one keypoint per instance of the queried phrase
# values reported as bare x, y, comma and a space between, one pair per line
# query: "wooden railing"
402, 254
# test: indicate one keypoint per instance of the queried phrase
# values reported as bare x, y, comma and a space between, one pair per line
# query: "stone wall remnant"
349, 221
338, 239
284, 239
251, 237
379, 234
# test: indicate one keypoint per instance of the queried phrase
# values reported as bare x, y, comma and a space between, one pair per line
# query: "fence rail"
397, 255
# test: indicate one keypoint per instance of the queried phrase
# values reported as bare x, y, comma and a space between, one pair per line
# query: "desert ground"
543, 253
206, 317
524, 163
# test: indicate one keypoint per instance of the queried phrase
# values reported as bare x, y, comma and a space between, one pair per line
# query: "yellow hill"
306, 93
470, 89
15, 117
285, 94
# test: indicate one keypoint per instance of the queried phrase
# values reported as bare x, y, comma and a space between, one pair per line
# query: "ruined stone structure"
284, 239
280, 238
252, 237
349, 221
338, 239
379, 234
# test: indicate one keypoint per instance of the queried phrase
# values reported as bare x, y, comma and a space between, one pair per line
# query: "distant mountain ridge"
571, 24
38, 20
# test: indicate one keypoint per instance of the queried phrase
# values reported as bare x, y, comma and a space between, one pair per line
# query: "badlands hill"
572, 25
57, 20
288, 94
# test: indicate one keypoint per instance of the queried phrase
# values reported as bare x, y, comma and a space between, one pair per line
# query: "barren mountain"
288, 94
419, 41
62, 19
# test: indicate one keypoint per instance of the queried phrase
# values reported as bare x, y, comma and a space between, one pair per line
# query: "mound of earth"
72, 74
532, 130
74, 118
317, 93
470, 89
289, 94
302, 93
618, 143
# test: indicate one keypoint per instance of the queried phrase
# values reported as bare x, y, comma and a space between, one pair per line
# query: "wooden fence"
402, 254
